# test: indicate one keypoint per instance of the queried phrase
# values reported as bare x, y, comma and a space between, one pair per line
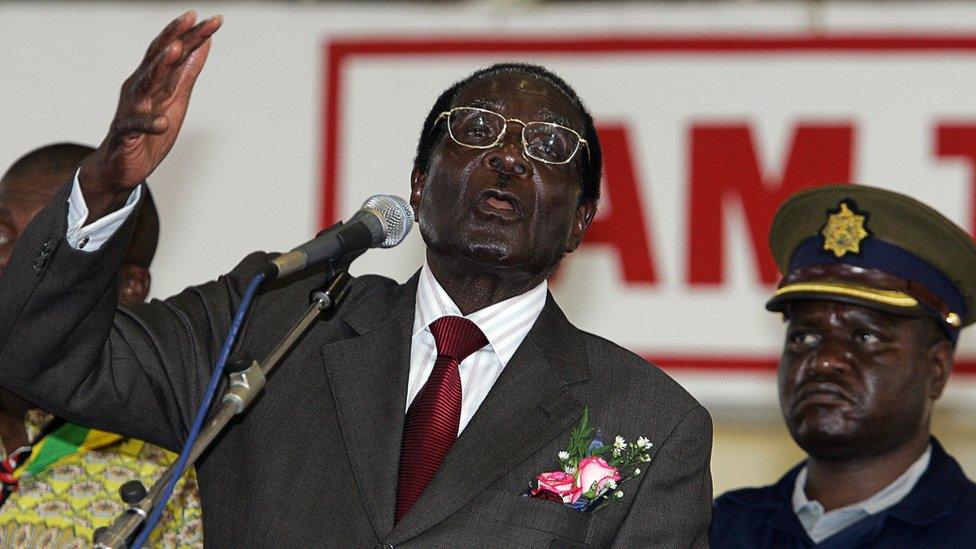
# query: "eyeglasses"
483, 129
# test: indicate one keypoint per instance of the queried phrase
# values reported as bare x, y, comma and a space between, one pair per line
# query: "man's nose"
507, 157
832, 357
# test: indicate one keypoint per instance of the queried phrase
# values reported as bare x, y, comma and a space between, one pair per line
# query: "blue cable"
201, 412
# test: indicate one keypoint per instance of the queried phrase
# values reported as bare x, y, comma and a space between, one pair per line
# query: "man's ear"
134, 282
940, 362
581, 220
417, 181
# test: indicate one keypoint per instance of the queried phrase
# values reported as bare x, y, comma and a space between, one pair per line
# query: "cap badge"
844, 231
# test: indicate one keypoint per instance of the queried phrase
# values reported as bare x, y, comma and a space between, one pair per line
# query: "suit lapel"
525, 409
368, 380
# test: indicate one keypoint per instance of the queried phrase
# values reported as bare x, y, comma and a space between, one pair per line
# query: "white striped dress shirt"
505, 324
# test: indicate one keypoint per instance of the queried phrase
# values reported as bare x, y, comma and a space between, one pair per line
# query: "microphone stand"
246, 380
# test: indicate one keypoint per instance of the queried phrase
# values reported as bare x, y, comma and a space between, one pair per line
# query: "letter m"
725, 172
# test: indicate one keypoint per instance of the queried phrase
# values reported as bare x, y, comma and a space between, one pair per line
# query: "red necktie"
431, 425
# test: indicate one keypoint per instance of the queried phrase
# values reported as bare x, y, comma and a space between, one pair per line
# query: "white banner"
709, 119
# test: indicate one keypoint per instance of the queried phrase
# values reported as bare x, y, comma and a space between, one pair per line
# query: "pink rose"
595, 470
559, 484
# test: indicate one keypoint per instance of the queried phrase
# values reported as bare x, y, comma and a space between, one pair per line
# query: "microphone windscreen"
396, 214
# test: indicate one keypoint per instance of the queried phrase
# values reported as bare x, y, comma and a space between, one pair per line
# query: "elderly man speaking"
458, 409
876, 289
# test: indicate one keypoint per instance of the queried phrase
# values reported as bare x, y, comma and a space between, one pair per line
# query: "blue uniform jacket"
940, 511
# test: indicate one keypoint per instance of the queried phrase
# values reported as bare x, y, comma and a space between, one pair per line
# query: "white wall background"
245, 173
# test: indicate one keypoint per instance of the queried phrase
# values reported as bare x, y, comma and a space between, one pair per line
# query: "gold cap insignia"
844, 231
953, 319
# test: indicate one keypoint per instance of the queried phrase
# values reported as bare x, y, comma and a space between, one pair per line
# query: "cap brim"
890, 301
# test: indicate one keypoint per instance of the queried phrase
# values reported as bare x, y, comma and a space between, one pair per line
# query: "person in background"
876, 289
60, 480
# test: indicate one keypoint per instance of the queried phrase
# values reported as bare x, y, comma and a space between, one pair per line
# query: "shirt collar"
800, 501
883, 499
505, 324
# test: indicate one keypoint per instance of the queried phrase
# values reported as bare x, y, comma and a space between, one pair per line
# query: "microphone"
383, 221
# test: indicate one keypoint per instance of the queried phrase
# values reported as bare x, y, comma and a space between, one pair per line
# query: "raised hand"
151, 108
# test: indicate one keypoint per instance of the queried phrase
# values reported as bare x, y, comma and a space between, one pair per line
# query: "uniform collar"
936, 493
821, 525
773, 503
887, 497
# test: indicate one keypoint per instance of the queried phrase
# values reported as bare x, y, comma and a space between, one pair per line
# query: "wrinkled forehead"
520, 96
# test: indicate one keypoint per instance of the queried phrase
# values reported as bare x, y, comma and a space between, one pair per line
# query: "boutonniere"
592, 471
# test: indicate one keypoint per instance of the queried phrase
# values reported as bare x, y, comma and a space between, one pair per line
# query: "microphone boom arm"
246, 380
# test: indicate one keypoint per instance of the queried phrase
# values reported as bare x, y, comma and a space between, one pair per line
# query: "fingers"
192, 67
193, 38
166, 70
158, 74
175, 28
187, 45
154, 99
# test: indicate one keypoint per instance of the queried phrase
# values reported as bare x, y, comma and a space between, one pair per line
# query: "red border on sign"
339, 52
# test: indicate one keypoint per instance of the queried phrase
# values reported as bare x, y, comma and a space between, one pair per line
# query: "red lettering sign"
959, 141
725, 170
624, 227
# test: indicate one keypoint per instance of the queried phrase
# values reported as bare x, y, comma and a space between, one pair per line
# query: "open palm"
152, 105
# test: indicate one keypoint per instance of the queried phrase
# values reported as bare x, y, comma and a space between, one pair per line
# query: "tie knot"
457, 337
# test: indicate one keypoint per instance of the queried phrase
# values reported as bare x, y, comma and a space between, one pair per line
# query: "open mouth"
500, 203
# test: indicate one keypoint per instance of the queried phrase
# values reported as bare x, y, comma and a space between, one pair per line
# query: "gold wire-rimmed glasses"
483, 129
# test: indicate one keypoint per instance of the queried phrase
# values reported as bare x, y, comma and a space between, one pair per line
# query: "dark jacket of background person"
940, 511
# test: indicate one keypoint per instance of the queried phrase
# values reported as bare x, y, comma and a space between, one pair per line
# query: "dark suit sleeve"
674, 501
139, 371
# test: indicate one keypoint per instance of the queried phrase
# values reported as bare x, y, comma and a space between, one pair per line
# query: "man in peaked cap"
876, 288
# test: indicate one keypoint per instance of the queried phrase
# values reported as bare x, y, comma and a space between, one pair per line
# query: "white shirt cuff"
90, 237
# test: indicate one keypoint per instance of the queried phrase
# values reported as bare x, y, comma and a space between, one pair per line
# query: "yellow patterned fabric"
60, 504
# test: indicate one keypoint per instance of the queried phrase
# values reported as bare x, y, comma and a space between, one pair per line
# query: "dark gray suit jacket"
314, 461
